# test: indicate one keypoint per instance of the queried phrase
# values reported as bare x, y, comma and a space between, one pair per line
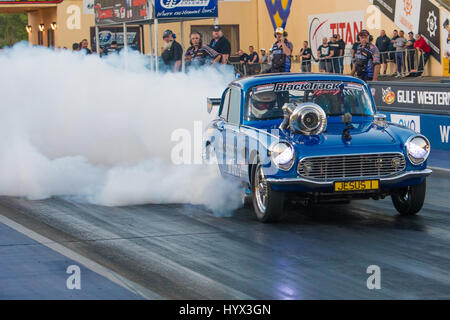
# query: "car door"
231, 132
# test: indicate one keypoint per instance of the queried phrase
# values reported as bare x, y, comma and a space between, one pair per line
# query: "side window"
235, 106
226, 100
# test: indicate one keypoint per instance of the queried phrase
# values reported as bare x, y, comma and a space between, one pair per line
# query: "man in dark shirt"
220, 44
253, 61
354, 49
383, 43
410, 52
198, 54
335, 50
341, 52
173, 52
305, 53
324, 53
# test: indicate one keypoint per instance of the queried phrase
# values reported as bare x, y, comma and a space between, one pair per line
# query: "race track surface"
185, 252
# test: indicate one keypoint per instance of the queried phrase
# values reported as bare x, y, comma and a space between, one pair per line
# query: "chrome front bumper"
383, 181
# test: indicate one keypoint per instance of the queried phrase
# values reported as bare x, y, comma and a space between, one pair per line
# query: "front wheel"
267, 203
408, 201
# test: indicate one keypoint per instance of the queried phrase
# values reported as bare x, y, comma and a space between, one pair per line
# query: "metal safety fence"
400, 63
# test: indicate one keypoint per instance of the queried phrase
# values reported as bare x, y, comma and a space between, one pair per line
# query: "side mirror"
211, 103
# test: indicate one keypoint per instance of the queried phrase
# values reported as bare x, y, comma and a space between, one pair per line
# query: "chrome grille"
352, 166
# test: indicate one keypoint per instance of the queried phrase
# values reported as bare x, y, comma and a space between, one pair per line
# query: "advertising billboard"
109, 12
28, 1
172, 9
347, 24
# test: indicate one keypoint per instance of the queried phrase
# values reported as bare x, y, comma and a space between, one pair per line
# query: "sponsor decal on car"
302, 86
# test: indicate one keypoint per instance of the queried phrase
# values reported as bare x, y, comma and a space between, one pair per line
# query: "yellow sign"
359, 185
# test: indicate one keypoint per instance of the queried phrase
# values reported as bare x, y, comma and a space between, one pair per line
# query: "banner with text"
172, 9
347, 24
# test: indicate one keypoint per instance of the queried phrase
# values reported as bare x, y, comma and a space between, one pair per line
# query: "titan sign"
109, 12
28, 1
173, 9
347, 24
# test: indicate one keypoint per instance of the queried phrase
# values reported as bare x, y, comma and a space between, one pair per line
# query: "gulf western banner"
347, 24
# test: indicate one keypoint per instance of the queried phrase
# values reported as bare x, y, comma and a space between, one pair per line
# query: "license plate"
358, 185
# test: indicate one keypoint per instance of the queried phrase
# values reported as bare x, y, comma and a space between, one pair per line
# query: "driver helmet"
262, 103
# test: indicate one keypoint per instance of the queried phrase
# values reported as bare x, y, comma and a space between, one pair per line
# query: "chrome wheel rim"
261, 189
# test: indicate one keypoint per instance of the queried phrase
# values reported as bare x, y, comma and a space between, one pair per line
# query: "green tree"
12, 29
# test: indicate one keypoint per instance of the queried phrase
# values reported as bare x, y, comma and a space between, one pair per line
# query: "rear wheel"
267, 203
408, 201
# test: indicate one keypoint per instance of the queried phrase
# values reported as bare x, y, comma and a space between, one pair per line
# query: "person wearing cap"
281, 52
367, 57
172, 52
265, 61
220, 44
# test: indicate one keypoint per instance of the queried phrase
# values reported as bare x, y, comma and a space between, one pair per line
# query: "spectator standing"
399, 45
341, 44
84, 46
324, 54
76, 46
335, 51
425, 52
306, 54
265, 61
198, 54
253, 57
367, 58
382, 44
281, 52
410, 52
253, 61
392, 48
354, 49
172, 53
220, 44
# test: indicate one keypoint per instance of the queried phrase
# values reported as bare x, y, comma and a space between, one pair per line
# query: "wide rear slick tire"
268, 204
408, 201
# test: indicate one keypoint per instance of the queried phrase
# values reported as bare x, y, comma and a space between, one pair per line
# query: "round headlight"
283, 155
418, 149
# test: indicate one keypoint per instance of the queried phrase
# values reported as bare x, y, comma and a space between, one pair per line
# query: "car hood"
366, 137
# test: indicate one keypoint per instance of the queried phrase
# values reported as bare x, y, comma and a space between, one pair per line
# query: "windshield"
336, 98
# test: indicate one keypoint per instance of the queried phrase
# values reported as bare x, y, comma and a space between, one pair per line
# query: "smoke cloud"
100, 130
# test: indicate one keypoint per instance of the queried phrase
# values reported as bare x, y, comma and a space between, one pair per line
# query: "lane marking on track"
439, 169
88, 263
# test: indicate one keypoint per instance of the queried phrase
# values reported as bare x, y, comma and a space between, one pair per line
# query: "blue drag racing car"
315, 138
